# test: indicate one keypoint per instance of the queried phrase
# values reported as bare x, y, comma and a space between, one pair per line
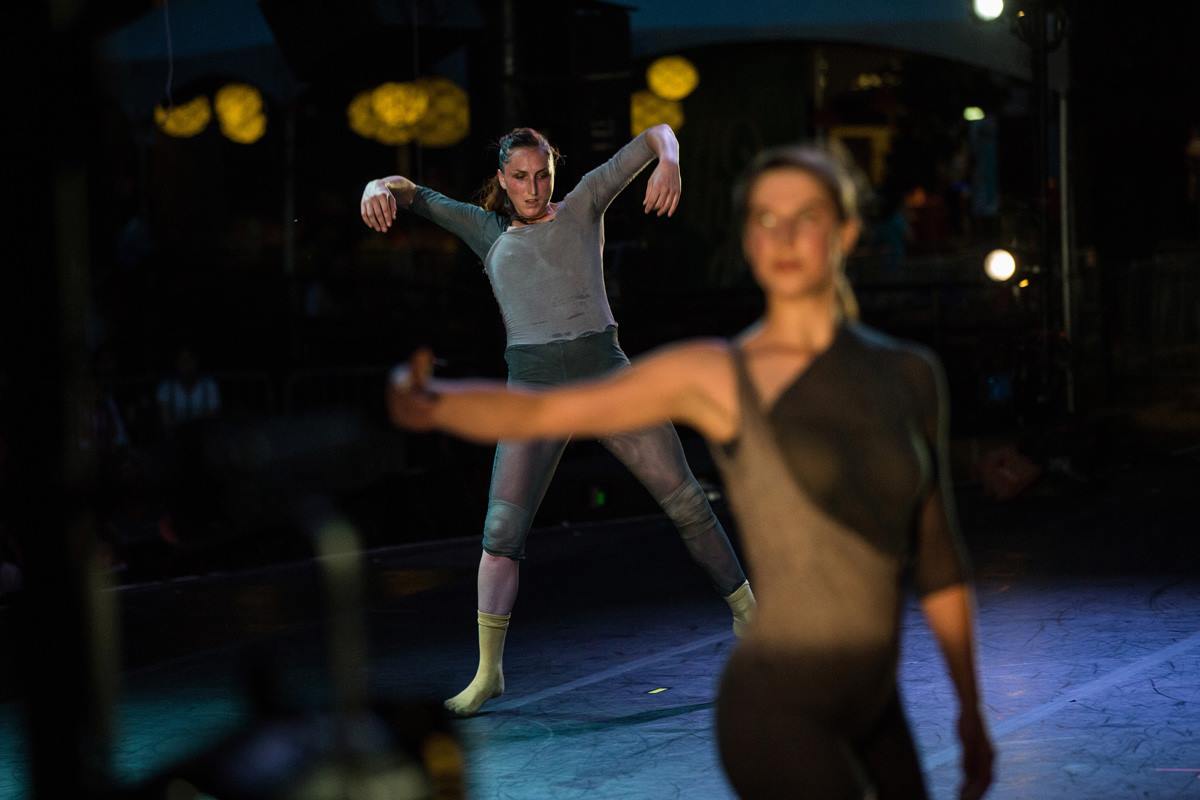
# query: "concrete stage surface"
1089, 651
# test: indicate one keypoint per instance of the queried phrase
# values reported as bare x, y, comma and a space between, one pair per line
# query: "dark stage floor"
1089, 648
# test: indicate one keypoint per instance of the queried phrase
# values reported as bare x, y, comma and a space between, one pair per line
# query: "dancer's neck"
546, 216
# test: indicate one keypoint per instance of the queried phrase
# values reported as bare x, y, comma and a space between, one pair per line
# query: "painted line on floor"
603, 675
1118, 676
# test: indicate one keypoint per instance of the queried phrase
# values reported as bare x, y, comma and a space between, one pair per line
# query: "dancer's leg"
890, 757
520, 475
772, 746
655, 456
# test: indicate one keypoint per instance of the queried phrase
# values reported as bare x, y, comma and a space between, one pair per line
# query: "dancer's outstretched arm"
383, 197
602, 184
692, 383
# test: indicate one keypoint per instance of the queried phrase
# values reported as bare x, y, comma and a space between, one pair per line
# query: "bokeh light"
400, 105
988, 10
648, 109
447, 119
240, 112
184, 120
672, 77
363, 121
1000, 265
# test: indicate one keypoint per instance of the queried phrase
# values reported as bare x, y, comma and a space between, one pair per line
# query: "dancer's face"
793, 238
528, 178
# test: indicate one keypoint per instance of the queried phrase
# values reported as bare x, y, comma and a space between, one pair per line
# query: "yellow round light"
1000, 265
672, 77
237, 102
240, 112
447, 121
364, 121
186, 120
247, 131
399, 104
648, 109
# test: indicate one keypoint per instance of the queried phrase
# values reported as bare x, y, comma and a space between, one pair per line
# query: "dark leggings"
522, 471
771, 748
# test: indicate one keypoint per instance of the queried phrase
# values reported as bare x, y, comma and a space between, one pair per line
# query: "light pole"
1042, 25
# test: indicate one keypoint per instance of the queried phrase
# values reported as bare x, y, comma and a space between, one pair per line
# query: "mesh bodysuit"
548, 279
837, 487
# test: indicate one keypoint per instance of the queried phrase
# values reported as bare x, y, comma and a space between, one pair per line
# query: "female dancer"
832, 440
544, 260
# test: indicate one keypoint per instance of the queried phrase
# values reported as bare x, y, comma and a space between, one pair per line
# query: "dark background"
124, 245
254, 257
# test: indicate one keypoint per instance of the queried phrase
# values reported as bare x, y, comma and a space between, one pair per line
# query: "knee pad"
505, 529
688, 508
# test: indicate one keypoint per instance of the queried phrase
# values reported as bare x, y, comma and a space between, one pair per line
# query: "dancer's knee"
505, 529
688, 508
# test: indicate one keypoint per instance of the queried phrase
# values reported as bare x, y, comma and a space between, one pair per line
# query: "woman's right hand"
410, 397
378, 206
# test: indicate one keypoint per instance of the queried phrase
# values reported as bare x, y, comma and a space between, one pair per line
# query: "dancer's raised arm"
692, 383
665, 184
382, 198
606, 181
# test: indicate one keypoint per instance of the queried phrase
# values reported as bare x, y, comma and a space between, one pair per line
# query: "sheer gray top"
837, 487
548, 278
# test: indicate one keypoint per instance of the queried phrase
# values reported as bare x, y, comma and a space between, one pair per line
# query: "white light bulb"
988, 10
1000, 265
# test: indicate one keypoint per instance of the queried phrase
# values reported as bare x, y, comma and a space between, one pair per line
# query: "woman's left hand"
410, 400
663, 190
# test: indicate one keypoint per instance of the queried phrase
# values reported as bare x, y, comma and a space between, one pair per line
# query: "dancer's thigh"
891, 758
774, 743
655, 457
521, 471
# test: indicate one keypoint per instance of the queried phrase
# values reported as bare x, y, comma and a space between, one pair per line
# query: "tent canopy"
943, 28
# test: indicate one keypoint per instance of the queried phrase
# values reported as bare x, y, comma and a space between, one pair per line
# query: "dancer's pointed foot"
484, 687
742, 604
489, 677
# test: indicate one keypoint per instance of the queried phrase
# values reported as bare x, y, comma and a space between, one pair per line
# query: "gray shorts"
554, 363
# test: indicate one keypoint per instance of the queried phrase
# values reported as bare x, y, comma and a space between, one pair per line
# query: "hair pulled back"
492, 196
833, 168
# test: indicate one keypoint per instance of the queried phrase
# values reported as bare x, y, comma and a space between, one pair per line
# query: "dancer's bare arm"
950, 617
691, 383
665, 185
380, 199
